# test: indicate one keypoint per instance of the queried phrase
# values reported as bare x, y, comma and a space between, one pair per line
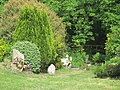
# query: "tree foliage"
113, 41
89, 21
76, 20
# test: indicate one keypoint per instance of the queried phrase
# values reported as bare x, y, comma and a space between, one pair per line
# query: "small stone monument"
51, 69
17, 60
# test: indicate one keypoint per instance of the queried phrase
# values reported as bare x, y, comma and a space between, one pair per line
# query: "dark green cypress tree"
34, 26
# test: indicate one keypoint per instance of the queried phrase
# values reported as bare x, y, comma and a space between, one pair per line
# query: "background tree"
87, 21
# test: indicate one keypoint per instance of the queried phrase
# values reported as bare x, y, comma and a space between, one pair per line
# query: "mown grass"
64, 79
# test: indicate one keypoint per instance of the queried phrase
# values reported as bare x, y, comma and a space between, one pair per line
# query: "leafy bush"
109, 69
100, 71
113, 67
10, 16
79, 59
3, 49
96, 57
113, 41
118, 51
31, 53
34, 26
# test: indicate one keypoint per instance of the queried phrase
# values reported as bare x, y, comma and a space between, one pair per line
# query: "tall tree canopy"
88, 21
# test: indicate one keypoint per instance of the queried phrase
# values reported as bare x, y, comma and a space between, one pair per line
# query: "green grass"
63, 80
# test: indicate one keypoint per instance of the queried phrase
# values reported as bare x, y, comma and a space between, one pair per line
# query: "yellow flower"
24, 66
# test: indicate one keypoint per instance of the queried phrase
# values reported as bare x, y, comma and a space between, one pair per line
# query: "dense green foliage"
89, 21
79, 59
113, 67
10, 15
34, 26
118, 51
100, 71
109, 69
31, 54
112, 22
77, 24
2, 2
3, 49
98, 58
113, 42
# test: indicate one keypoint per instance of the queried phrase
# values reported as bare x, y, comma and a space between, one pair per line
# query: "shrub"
31, 53
109, 69
3, 49
79, 59
10, 15
100, 71
118, 51
34, 26
96, 57
113, 67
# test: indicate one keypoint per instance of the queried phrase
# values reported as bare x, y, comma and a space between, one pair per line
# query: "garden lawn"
63, 80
